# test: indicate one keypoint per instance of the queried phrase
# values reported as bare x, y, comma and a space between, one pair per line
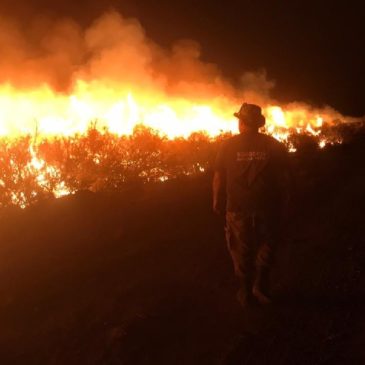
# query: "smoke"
45, 53
114, 50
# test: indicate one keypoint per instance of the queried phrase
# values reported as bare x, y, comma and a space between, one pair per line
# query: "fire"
114, 77
112, 74
48, 114
43, 112
41, 169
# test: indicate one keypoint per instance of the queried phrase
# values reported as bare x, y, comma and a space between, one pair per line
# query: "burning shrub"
101, 161
20, 176
303, 143
97, 161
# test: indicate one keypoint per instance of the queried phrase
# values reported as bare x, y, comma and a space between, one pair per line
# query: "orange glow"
114, 78
44, 112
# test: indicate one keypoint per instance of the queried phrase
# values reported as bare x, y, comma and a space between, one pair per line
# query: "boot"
260, 289
244, 294
244, 298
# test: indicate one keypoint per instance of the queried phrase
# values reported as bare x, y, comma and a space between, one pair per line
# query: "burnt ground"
143, 277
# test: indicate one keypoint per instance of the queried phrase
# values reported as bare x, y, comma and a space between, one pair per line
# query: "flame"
115, 78
41, 169
43, 112
46, 113
322, 143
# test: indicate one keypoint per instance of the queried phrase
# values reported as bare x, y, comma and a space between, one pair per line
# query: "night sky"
313, 50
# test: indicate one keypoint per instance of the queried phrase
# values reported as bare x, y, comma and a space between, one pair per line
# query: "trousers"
251, 240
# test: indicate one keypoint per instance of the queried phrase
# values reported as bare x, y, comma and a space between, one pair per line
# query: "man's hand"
218, 207
218, 193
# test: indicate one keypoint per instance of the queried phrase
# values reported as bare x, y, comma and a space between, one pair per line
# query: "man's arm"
218, 192
219, 180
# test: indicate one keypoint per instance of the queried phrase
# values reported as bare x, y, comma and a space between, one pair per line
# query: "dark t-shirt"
254, 165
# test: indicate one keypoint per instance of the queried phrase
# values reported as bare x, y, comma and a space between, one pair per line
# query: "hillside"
143, 276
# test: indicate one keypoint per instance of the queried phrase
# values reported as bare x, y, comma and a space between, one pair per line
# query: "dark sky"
313, 50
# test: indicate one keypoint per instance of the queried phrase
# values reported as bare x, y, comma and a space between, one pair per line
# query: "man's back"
253, 164
255, 169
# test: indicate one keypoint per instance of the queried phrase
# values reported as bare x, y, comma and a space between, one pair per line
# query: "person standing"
251, 185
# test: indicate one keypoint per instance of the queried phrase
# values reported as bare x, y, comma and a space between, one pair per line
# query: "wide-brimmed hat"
251, 115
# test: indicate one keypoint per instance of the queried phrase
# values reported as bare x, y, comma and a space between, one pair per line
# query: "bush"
96, 161
101, 161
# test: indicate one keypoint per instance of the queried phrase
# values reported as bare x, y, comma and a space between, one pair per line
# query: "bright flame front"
44, 112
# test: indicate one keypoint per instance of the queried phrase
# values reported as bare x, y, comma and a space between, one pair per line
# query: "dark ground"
143, 277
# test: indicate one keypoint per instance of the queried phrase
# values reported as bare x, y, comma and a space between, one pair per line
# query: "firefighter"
251, 184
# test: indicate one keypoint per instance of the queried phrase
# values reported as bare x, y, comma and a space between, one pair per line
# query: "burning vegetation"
32, 170
105, 106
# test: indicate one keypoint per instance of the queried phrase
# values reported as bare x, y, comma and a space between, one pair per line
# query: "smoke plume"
113, 49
